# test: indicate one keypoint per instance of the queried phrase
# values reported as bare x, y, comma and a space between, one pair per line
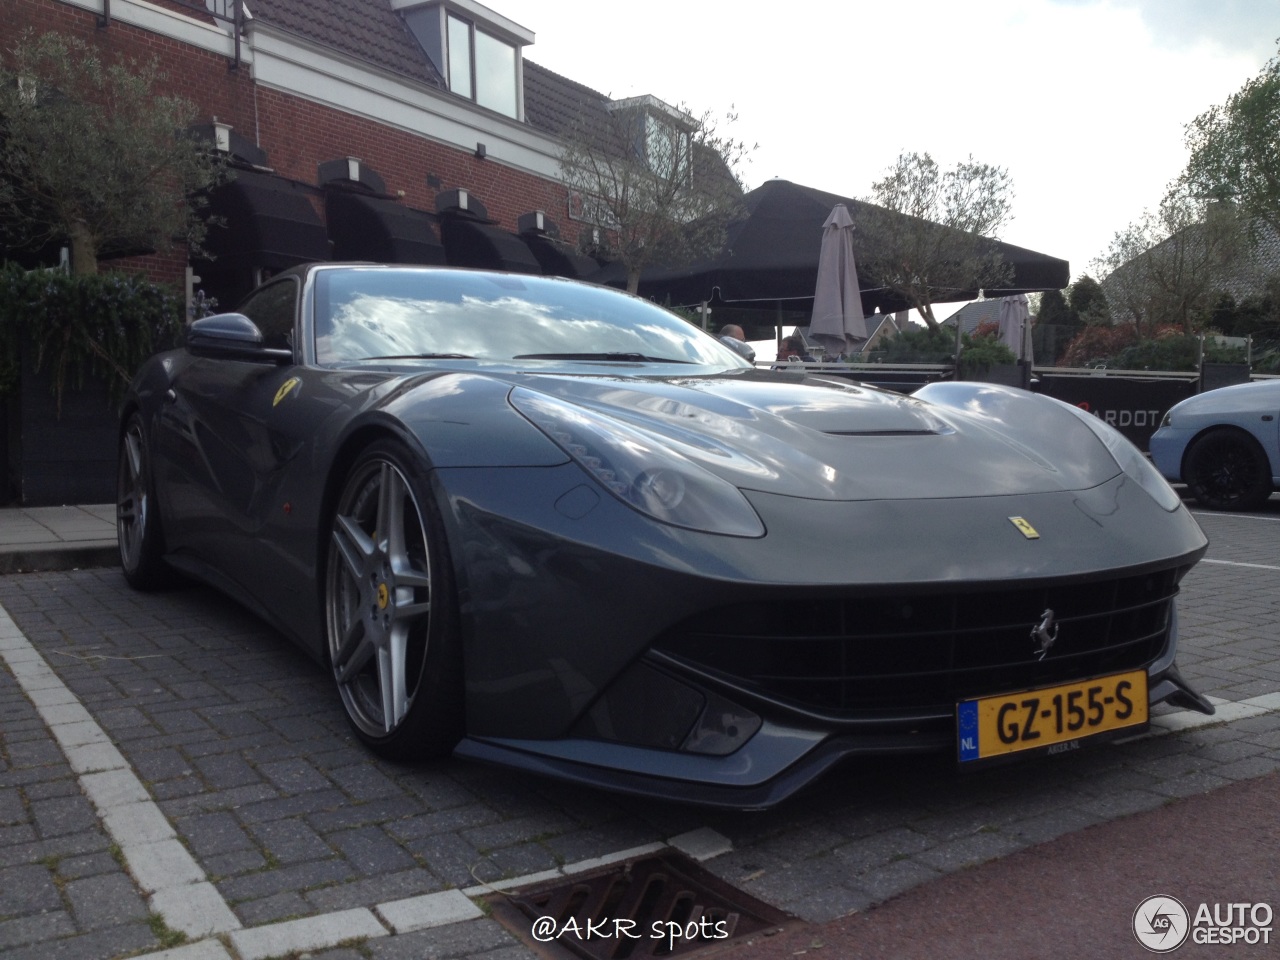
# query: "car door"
221, 443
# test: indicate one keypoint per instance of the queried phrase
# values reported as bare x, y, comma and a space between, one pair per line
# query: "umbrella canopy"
772, 254
1015, 325
838, 323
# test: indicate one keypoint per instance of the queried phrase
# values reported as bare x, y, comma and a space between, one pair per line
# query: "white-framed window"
481, 67
667, 147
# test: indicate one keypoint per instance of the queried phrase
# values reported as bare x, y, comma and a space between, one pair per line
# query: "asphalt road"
169, 764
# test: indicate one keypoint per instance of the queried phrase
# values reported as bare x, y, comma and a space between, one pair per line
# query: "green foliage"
1253, 316
662, 183
106, 324
1054, 309
1233, 148
1087, 301
94, 152
925, 233
923, 345
1120, 348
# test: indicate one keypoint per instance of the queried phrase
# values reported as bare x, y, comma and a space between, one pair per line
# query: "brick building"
399, 130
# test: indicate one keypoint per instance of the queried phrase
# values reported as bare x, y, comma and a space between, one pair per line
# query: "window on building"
667, 148
481, 67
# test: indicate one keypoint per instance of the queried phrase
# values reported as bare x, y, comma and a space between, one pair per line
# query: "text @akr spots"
546, 929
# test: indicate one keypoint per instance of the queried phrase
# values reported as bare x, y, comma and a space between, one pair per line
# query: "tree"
94, 153
1088, 302
1169, 266
928, 234
1233, 148
661, 182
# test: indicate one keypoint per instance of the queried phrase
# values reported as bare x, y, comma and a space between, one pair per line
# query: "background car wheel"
138, 535
390, 610
1228, 470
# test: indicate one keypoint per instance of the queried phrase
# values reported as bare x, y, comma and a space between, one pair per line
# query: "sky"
1083, 102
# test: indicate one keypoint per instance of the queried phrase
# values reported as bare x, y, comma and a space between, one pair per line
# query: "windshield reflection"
367, 313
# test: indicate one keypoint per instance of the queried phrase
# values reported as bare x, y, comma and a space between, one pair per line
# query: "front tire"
1227, 470
390, 610
138, 535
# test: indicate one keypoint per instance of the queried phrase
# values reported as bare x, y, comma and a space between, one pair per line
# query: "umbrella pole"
959, 343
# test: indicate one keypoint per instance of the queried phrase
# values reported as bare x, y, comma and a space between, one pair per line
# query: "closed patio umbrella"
1015, 322
837, 323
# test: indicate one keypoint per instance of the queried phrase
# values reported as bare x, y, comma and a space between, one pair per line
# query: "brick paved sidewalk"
302, 840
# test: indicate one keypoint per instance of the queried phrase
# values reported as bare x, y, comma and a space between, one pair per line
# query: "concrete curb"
43, 558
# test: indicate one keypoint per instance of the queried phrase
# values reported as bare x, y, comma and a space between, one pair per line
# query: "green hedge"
921, 345
105, 324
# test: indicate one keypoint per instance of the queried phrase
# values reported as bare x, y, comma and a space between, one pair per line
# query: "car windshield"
393, 313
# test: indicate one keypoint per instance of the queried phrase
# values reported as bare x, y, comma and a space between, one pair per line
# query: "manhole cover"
659, 906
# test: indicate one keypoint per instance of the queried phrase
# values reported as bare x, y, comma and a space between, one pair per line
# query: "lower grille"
923, 652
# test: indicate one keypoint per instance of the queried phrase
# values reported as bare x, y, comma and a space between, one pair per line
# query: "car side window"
273, 309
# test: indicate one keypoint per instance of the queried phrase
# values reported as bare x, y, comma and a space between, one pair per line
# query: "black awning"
772, 253
559, 259
382, 230
267, 221
471, 243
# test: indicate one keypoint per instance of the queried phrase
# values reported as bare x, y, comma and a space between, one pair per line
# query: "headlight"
640, 470
1131, 461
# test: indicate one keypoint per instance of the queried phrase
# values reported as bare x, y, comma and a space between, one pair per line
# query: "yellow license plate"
1040, 719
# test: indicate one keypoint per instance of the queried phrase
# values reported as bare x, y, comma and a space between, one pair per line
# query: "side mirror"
739, 347
233, 336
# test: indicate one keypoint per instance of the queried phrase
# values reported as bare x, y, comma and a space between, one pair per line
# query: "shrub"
978, 353
1169, 349
105, 323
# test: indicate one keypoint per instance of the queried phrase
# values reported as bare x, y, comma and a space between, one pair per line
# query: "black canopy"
772, 255
472, 240
267, 221
380, 229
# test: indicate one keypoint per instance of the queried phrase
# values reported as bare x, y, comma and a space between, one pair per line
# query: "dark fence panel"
66, 457
1134, 406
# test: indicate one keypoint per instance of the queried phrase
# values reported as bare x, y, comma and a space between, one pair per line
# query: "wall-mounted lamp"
221, 136
481, 152
353, 169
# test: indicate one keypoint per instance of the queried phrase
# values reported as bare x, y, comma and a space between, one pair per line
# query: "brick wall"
298, 135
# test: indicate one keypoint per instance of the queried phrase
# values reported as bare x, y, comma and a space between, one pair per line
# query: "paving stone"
291, 841
108, 900
475, 938
371, 852
294, 776
373, 890
27, 889
299, 877
211, 834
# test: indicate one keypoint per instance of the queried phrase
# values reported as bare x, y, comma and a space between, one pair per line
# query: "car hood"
837, 440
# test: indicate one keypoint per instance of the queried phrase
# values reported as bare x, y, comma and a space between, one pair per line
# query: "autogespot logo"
1161, 924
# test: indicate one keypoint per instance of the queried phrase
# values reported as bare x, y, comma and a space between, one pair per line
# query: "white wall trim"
295, 66
168, 23
292, 65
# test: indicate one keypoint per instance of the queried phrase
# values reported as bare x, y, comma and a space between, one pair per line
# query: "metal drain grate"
659, 906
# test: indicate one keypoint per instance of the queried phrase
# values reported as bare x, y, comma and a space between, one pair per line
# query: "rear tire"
138, 534
1227, 470
391, 611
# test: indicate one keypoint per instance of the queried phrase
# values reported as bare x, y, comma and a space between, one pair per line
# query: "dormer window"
660, 133
482, 67
666, 147
474, 49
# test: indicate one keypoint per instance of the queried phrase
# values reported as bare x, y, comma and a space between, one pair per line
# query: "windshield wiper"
624, 357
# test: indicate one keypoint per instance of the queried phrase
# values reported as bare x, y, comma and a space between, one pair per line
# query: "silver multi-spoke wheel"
137, 524
380, 607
